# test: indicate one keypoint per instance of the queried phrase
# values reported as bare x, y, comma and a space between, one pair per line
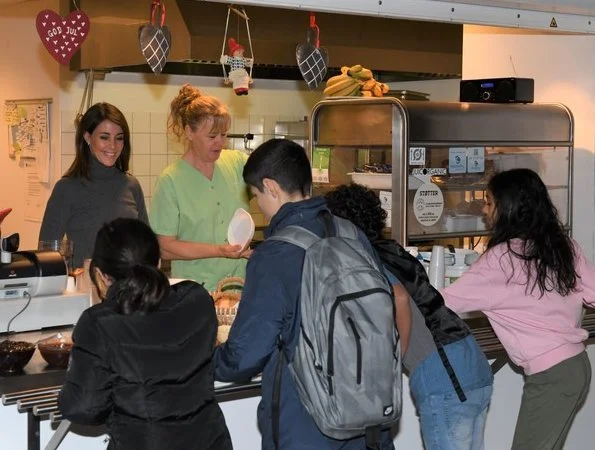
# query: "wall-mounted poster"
28, 133
28, 124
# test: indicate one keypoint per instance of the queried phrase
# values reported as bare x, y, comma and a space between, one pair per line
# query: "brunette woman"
97, 187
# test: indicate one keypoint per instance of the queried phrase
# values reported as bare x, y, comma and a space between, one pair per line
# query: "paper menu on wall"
34, 204
28, 134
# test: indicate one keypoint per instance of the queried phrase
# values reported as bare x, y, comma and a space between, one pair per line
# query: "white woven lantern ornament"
155, 39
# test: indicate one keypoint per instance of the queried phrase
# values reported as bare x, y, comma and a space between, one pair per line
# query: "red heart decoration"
62, 37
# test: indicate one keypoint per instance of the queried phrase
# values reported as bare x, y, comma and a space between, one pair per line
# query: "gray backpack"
346, 366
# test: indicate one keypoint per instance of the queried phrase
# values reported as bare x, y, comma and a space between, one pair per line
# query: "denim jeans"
449, 424
446, 422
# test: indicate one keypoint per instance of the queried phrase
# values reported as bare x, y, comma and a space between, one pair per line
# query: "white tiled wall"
153, 148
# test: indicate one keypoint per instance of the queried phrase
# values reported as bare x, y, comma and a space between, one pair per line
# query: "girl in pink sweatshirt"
531, 284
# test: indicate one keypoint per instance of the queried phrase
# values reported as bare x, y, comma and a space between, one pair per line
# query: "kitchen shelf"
480, 187
445, 235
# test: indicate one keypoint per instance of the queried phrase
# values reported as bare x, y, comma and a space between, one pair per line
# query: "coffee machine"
33, 292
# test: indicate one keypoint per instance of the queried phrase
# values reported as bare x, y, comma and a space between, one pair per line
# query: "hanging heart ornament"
62, 36
155, 40
311, 58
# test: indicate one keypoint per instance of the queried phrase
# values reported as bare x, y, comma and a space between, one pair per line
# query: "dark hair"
523, 210
95, 115
127, 251
281, 160
191, 107
361, 206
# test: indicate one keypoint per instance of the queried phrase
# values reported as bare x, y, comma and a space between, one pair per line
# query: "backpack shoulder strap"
344, 228
296, 235
337, 226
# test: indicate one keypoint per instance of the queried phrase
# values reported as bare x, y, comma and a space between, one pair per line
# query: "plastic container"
64, 246
449, 258
436, 272
453, 273
471, 258
460, 222
461, 255
408, 95
241, 228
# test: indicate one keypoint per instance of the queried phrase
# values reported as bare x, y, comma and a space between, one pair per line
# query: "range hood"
396, 50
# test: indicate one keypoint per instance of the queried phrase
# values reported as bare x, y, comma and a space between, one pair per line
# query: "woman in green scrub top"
196, 196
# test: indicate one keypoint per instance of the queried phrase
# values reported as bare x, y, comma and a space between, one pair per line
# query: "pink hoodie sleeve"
473, 290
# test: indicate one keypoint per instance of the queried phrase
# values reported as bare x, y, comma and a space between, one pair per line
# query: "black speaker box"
497, 90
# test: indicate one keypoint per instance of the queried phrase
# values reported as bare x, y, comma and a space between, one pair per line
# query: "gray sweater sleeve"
140, 200
57, 212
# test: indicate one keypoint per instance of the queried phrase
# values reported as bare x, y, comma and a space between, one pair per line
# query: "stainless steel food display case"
430, 161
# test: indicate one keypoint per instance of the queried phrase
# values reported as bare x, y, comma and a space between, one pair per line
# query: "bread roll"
223, 333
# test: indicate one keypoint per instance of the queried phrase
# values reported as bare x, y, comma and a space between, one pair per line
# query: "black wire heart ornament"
155, 39
311, 58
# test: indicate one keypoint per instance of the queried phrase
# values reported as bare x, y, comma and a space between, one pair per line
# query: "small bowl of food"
55, 350
15, 355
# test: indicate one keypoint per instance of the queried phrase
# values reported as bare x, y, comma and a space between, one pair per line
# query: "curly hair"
524, 210
191, 107
361, 206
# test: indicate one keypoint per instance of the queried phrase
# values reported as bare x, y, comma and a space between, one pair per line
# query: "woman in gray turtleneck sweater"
97, 187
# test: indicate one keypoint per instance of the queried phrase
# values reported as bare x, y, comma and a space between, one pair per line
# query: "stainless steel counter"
37, 374
35, 390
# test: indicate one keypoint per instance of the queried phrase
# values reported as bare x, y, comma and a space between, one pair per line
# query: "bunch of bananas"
354, 81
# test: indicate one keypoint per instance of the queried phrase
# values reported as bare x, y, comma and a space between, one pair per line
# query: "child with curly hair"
450, 378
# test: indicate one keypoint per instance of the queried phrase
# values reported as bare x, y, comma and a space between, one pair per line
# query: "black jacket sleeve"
261, 314
446, 327
85, 397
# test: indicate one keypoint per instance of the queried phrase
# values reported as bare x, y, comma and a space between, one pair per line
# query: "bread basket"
227, 298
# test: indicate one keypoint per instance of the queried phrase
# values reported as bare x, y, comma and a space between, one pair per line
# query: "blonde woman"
195, 197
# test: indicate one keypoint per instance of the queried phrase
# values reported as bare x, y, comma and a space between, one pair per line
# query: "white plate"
241, 228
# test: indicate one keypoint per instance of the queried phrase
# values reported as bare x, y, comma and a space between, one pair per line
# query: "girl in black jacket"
141, 361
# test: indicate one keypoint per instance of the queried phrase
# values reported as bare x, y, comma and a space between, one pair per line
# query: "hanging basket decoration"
311, 58
238, 76
155, 39
62, 36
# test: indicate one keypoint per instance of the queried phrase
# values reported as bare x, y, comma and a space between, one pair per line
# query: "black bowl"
56, 352
15, 355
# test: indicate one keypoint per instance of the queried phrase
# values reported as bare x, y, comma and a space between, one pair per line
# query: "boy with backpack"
330, 364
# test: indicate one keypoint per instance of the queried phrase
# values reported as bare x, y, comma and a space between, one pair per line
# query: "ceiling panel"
579, 7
